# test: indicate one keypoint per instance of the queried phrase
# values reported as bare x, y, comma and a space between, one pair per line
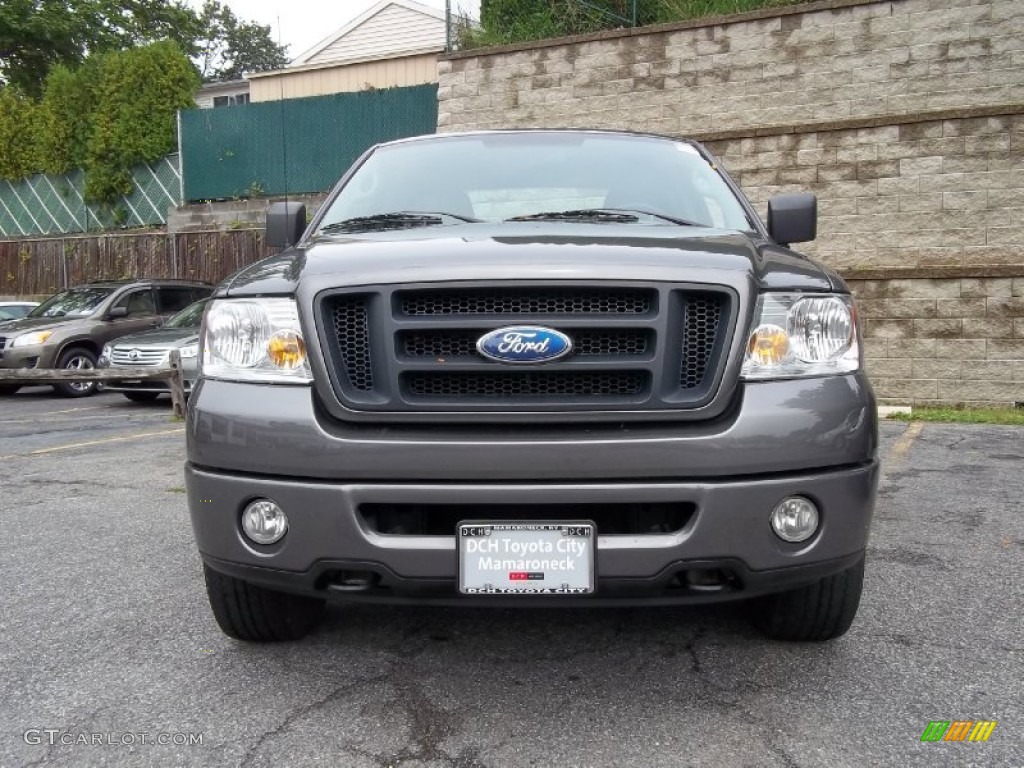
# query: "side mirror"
285, 224
793, 218
117, 312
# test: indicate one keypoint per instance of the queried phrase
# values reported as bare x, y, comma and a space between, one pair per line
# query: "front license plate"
526, 558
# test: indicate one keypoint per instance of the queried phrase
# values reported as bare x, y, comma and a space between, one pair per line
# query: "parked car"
12, 310
153, 348
70, 328
534, 367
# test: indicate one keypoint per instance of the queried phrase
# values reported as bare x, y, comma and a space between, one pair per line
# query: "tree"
19, 146
228, 47
134, 116
66, 114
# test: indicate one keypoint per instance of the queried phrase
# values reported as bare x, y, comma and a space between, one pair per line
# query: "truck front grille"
456, 344
522, 384
413, 349
352, 329
548, 301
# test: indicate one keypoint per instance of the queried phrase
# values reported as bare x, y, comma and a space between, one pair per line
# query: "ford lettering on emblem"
524, 344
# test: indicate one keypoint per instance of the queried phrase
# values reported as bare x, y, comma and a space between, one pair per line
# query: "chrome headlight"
798, 334
108, 350
188, 352
31, 339
254, 340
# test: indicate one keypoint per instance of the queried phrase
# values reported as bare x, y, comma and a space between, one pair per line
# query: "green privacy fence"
44, 204
296, 145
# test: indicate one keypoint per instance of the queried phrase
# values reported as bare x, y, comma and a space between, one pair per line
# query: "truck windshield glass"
77, 301
509, 176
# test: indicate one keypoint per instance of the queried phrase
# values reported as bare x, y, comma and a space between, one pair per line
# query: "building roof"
232, 86
408, 6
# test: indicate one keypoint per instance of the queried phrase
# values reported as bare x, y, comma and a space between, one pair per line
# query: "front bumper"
730, 533
815, 437
33, 356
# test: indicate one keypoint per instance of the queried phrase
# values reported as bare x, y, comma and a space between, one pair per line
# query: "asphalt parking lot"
104, 629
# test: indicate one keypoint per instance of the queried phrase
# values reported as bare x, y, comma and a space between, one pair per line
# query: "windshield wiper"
584, 214
601, 215
395, 220
662, 216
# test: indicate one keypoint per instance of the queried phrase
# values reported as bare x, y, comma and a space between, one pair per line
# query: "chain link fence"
295, 145
44, 204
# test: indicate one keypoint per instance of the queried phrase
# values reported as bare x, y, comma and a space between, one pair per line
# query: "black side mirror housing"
285, 224
117, 312
793, 218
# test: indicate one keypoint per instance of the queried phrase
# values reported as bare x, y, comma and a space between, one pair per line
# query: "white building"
394, 43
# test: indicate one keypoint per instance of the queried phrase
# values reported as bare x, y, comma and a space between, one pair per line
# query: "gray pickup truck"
521, 368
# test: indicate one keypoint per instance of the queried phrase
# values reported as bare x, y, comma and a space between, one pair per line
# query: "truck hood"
532, 251
159, 337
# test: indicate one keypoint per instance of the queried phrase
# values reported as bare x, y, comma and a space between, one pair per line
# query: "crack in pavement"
301, 712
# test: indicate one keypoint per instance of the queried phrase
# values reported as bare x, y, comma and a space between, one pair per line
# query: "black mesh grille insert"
348, 316
702, 315
532, 301
533, 384
457, 343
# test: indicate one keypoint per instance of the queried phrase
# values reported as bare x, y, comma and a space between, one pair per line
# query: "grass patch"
176, 489
1012, 416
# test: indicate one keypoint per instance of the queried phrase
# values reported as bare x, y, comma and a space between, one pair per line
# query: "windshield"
502, 176
76, 302
190, 317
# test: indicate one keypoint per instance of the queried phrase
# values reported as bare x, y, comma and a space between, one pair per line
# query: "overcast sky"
306, 22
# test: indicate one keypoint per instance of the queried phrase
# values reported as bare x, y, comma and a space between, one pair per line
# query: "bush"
19, 142
66, 114
116, 111
135, 115
513, 21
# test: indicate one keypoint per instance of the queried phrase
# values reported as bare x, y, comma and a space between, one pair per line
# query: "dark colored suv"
70, 328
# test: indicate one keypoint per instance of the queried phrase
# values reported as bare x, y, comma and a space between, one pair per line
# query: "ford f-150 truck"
561, 368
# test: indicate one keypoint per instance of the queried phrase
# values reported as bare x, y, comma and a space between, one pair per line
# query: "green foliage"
513, 21
134, 115
960, 415
66, 114
19, 142
36, 35
228, 47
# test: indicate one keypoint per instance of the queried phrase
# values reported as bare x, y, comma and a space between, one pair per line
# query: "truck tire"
255, 614
6, 390
820, 611
76, 358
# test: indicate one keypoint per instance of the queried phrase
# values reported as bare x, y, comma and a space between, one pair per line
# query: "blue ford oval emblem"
524, 344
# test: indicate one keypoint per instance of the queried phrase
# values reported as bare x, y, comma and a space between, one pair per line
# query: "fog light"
795, 519
264, 522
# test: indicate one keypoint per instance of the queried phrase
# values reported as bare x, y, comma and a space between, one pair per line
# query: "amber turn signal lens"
768, 345
286, 350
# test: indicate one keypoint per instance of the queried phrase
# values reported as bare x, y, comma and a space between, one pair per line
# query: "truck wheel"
8, 389
74, 359
820, 611
247, 612
141, 397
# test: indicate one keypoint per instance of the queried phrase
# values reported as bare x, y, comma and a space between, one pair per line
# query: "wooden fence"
39, 267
